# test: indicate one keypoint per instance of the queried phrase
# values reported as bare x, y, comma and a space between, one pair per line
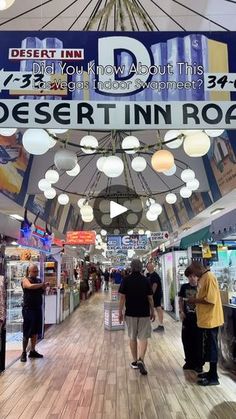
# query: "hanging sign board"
129, 80
159, 235
80, 237
135, 241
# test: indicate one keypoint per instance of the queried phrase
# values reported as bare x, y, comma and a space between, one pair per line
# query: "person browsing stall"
157, 294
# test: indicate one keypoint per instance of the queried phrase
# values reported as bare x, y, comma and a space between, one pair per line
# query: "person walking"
191, 333
33, 290
136, 294
157, 295
106, 280
209, 318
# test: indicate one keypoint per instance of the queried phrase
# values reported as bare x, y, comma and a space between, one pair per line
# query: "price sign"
159, 235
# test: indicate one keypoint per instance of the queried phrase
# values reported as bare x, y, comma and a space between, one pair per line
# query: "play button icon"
116, 209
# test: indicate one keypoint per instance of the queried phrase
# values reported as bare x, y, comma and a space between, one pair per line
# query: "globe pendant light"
44, 185
87, 218
155, 209
36, 141
171, 198
100, 163
5, 4
86, 210
170, 135
191, 131
57, 131
75, 171
187, 175
132, 218
151, 216
150, 201
50, 193
65, 159
162, 160
63, 199
52, 176
171, 171
7, 132
89, 141
141, 231
139, 164
103, 232
193, 185
197, 145
214, 132
131, 143
113, 166
81, 202
185, 192
106, 220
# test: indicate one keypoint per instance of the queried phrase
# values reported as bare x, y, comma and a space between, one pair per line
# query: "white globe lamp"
52, 176
170, 135
63, 199
150, 201
104, 206
214, 132
36, 141
132, 218
100, 163
139, 164
191, 131
171, 198
65, 159
130, 232
141, 231
185, 192
87, 218
55, 131
50, 193
113, 166
5, 4
86, 210
155, 209
131, 143
148, 233
75, 171
187, 175
7, 132
103, 232
171, 171
106, 220
197, 145
151, 216
44, 185
89, 141
193, 185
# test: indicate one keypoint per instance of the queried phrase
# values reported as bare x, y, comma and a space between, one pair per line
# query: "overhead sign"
80, 237
118, 81
135, 241
159, 235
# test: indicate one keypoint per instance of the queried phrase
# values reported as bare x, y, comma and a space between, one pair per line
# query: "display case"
225, 272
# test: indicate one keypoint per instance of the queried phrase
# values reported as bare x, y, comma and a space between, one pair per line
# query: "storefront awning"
224, 226
200, 236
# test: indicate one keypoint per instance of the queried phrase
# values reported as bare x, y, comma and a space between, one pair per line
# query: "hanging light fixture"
55, 131
44, 185
7, 132
50, 193
52, 176
131, 143
150, 201
106, 220
65, 159
171, 171
162, 160
63, 199
81, 202
103, 232
89, 141
141, 231
187, 175
170, 135
185, 192
197, 145
132, 218
193, 184
87, 219
104, 206
36, 141
171, 198
151, 216
113, 166
100, 163
191, 131
155, 209
86, 210
214, 132
5, 4
75, 171
139, 164
130, 232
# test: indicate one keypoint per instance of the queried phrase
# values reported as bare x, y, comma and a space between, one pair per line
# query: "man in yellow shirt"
209, 318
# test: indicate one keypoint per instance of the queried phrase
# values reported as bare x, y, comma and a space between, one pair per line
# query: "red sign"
80, 237
58, 242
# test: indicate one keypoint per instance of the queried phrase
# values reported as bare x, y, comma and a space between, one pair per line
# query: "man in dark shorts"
157, 294
136, 294
33, 290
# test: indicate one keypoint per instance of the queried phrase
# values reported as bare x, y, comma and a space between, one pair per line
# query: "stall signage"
80, 237
135, 241
115, 81
159, 235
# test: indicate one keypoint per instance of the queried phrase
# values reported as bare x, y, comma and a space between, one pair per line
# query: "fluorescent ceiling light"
17, 217
216, 210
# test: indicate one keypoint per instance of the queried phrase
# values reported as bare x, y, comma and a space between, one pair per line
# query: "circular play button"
118, 209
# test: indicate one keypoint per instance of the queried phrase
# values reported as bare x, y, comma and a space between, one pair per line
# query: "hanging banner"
80, 237
134, 241
118, 80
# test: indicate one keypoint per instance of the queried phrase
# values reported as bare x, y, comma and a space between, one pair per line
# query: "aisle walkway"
86, 374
